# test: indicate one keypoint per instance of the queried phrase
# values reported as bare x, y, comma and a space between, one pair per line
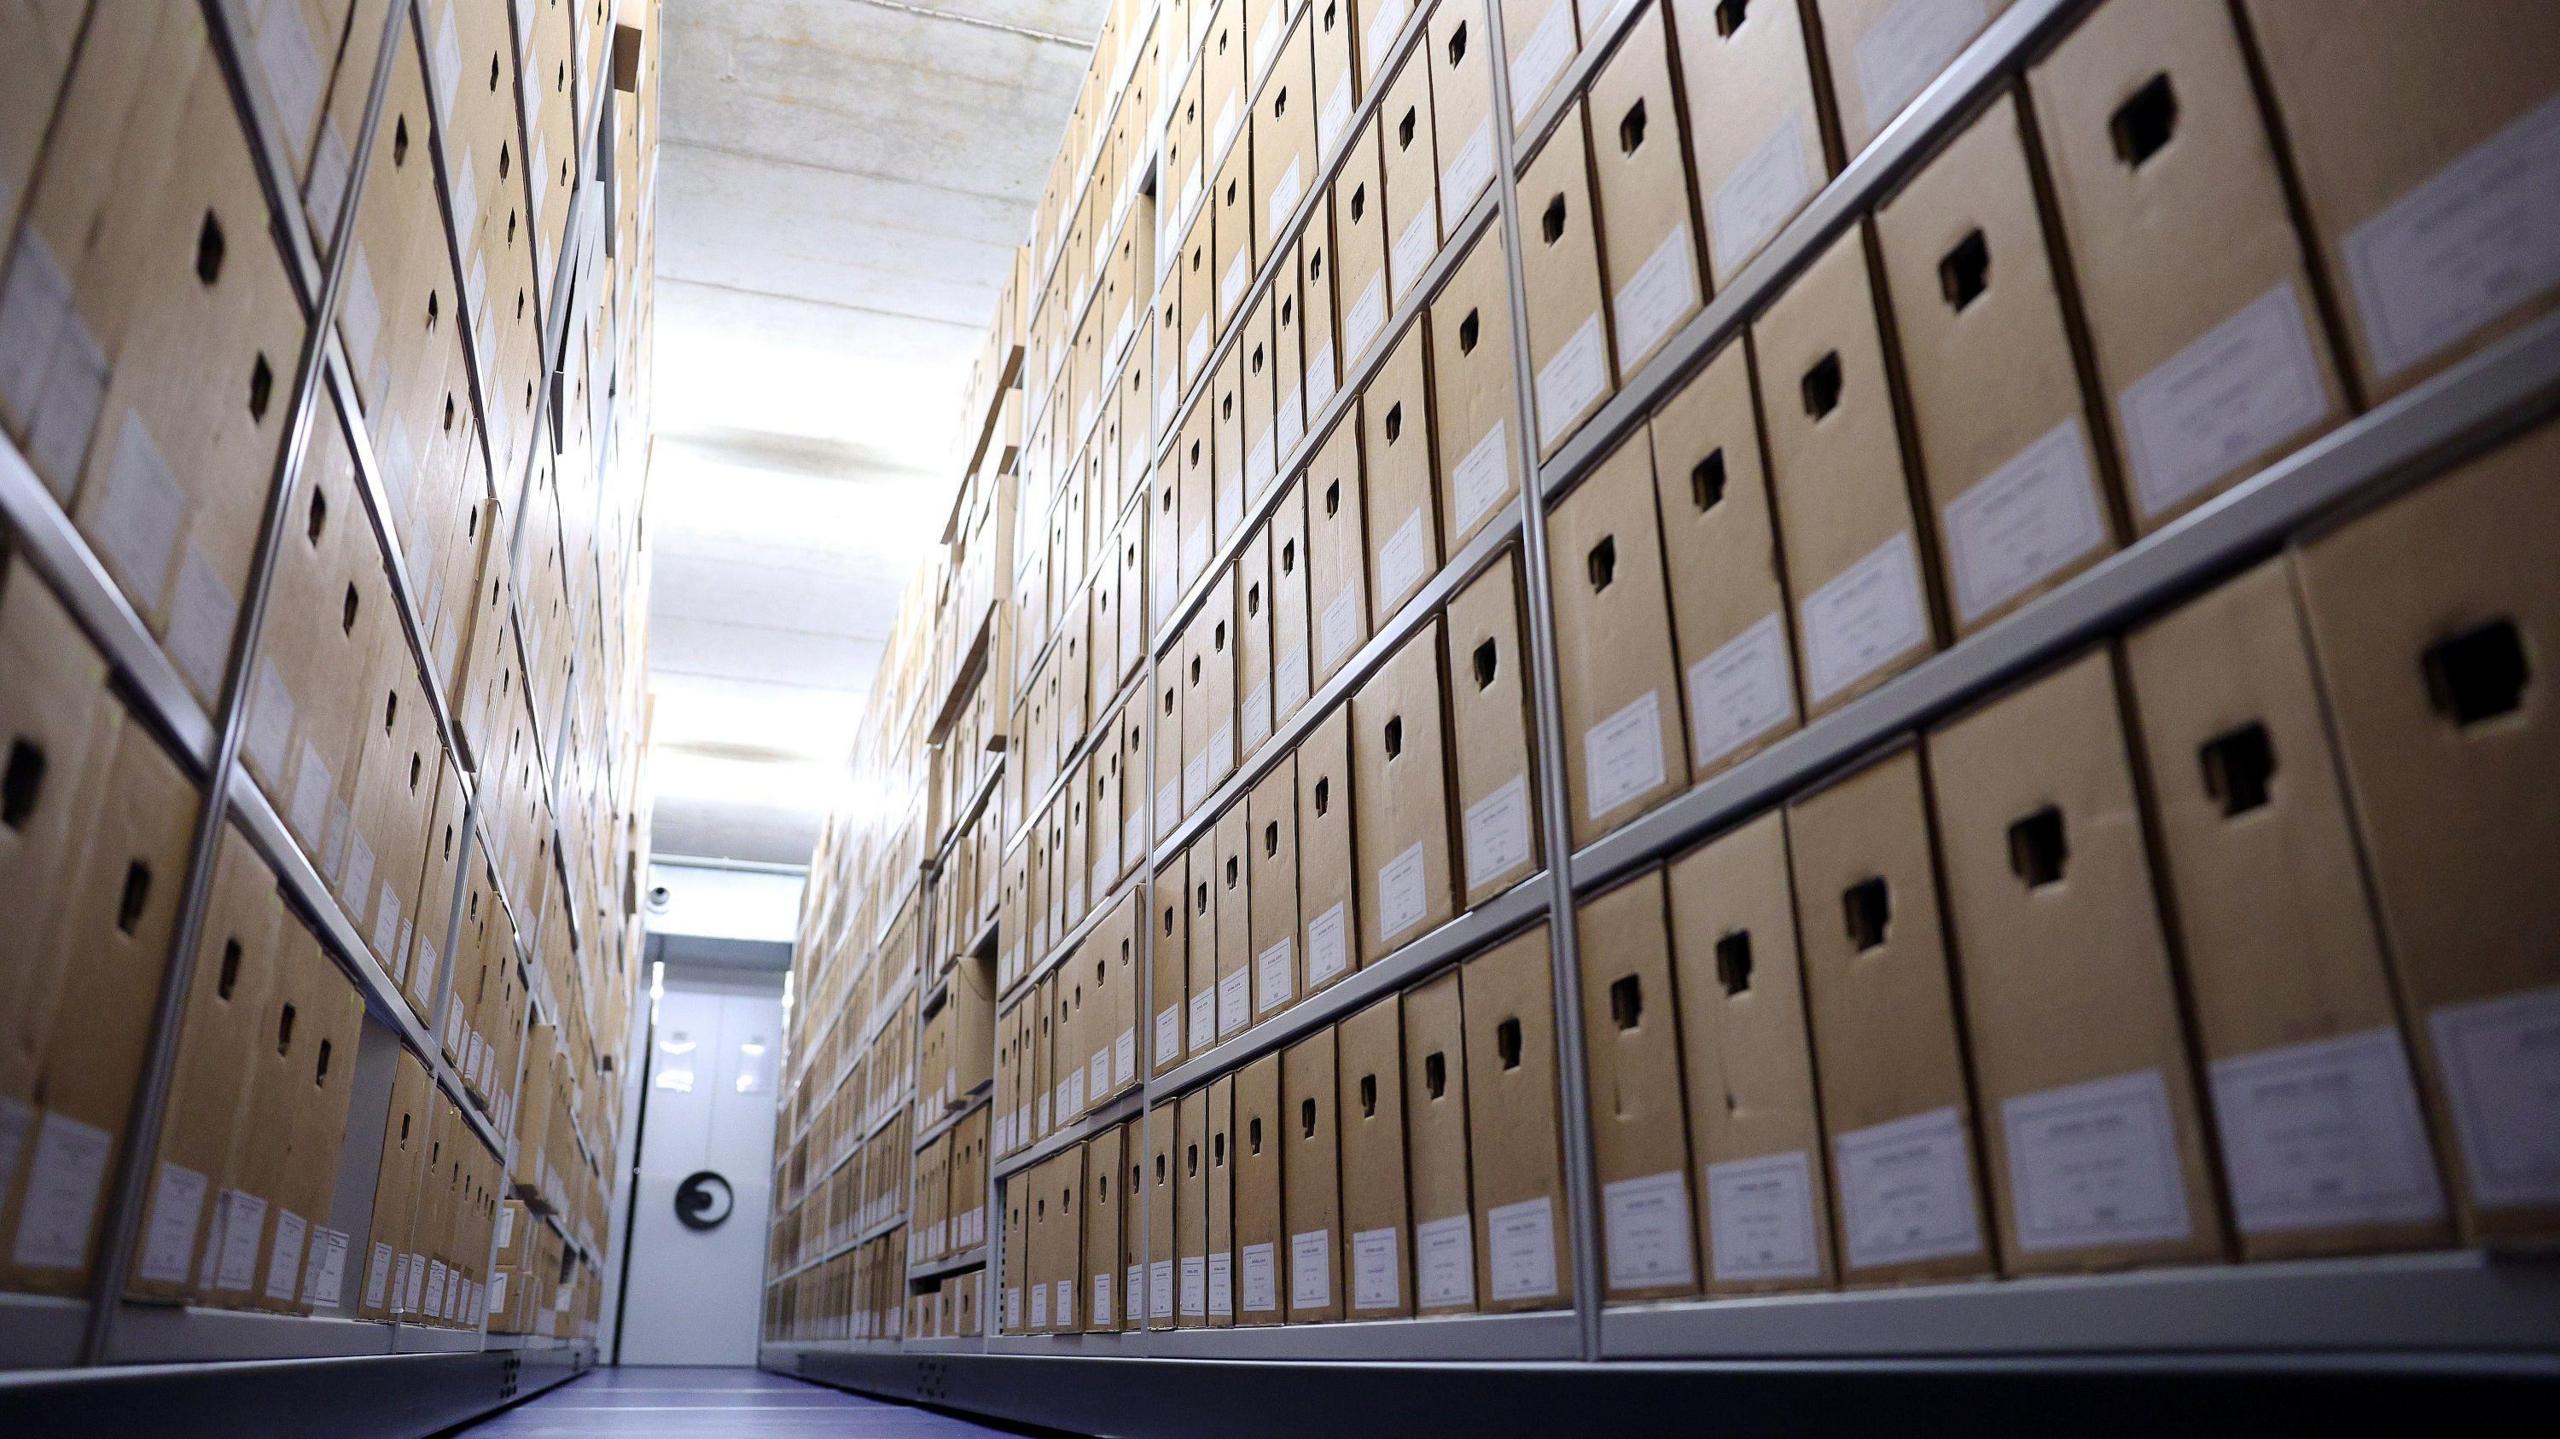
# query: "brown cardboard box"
60, 724
1196, 457
1560, 270
1231, 899
397, 1175
2290, 988
1135, 800
1339, 78
1883, 53
1172, 755
1257, 1147
1170, 946
1487, 688
1472, 395
2013, 477
1647, 248
1191, 1207
1319, 307
1619, 693
1403, 525
1755, 1130
1218, 1168
2421, 167
1200, 915
1185, 169
1409, 166
1284, 134
1165, 359
1253, 644
2204, 335
1222, 69
1370, 1090
1400, 785
1459, 48
1207, 675
1285, 541
1226, 443
1728, 602
1136, 1195
1326, 862
1337, 549
1131, 593
1102, 833
1852, 556
1360, 239
1631, 1043
1508, 999
1382, 28
1539, 42
1163, 1182
1114, 1066
1198, 259
1164, 538
1435, 1118
1755, 138
1271, 845
1288, 352
1888, 1060
2449, 745
2071, 1016
1261, 430
1102, 1261
1311, 1193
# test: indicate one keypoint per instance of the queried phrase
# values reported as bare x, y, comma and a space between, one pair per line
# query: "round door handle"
704, 1200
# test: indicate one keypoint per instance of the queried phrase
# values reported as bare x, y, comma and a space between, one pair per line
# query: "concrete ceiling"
841, 185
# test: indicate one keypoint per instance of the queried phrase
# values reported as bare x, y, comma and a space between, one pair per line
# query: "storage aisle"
641, 1403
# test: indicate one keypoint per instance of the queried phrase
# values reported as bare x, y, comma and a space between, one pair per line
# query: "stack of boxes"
1222, 691
446, 588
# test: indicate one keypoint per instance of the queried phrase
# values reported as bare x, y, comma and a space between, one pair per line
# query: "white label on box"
1867, 615
1237, 279
448, 67
1572, 379
1662, 291
1646, 1228
294, 73
284, 1257
1327, 955
359, 872
1195, 350
1261, 1291
1480, 480
33, 310
1102, 1300
1040, 1115
1542, 57
1622, 755
1497, 832
1013, 1308
1097, 1073
2501, 1064
1039, 1306
240, 1220
2232, 395
1286, 191
360, 312
1289, 682
1195, 545
1222, 1285
1740, 691
1195, 1285
1906, 1191
1124, 1056
2096, 1163
1224, 131
201, 622
1907, 48
436, 1276
1403, 897
1066, 1306
1378, 42
1169, 803
1260, 460
1204, 1020
1403, 562
1168, 1034
2024, 521
1521, 1241
386, 921
498, 1294
1132, 1285
1195, 780
1760, 1218
326, 1276
1333, 114
413, 1282
1760, 194
1338, 628
1291, 423
1220, 756
1368, 314
1444, 1262
1257, 716
17, 1118
139, 515
1272, 977
1311, 1269
1466, 175
376, 1275
64, 1175
1235, 1002
2466, 246
177, 1202
2324, 1133
313, 787
1375, 1273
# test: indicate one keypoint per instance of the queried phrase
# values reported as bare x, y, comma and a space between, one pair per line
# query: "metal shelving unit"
2358, 1340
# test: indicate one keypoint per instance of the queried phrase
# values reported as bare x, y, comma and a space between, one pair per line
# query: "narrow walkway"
702, 1403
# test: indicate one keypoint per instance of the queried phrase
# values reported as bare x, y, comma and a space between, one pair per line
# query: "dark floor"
700, 1403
